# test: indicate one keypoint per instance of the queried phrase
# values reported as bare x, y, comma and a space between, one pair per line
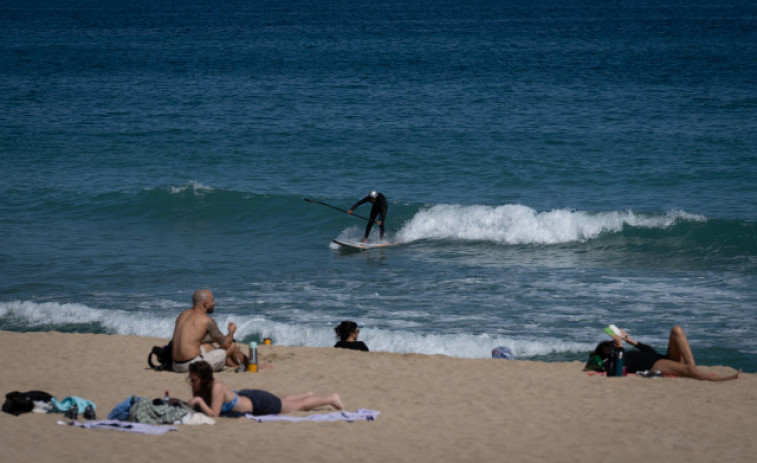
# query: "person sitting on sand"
195, 330
214, 398
677, 361
347, 332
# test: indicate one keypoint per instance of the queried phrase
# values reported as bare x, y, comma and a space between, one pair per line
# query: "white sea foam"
193, 186
517, 224
53, 315
404, 342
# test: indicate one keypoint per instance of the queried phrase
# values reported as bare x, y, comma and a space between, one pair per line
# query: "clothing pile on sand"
17, 403
141, 410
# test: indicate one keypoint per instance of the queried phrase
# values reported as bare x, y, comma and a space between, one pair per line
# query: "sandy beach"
433, 408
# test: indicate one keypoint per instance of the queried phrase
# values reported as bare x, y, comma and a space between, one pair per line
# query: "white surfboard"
362, 246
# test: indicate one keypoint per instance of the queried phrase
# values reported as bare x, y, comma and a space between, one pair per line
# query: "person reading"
678, 360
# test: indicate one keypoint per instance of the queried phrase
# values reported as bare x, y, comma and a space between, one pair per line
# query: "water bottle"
253, 359
619, 363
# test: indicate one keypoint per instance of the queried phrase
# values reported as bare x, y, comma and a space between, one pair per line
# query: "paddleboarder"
379, 209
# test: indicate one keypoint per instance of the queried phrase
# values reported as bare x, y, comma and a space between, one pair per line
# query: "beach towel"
641, 374
361, 414
117, 425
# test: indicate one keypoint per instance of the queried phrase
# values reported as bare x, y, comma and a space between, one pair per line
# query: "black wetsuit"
379, 209
355, 345
642, 359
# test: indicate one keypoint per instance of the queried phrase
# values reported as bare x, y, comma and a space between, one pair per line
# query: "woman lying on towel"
214, 398
677, 361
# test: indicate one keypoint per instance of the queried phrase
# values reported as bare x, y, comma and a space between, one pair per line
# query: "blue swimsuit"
226, 407
263, 402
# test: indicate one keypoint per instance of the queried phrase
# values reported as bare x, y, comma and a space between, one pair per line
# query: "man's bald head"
204, 298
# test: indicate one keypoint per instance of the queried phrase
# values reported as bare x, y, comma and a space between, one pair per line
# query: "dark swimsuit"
263, 402
642, 359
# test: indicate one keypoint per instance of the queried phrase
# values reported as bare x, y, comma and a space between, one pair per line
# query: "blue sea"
551, 167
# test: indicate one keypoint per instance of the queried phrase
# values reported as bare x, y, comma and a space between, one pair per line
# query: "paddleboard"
362, 246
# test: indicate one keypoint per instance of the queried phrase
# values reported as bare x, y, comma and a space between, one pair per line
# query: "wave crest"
517, 224
192, 186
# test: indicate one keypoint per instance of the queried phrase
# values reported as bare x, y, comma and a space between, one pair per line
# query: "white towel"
127, 426
361, 414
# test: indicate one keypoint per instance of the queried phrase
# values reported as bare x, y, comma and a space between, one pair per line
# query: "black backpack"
163, 357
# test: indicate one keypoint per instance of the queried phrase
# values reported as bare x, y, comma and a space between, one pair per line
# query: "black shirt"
642, 359
355, 345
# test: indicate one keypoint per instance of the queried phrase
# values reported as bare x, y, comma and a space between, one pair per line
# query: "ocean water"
551, 167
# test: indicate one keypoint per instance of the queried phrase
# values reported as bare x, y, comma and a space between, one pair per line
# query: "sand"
433, 408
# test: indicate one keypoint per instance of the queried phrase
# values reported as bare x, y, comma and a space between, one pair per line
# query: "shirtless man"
193, 327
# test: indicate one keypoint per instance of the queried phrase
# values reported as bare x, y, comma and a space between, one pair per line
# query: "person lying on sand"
214, 398
677, 361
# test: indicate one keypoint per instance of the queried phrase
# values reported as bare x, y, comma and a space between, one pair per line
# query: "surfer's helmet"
373, 194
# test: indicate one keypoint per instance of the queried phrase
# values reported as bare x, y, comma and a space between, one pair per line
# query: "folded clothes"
361, 414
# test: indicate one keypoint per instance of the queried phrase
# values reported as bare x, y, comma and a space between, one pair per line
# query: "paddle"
333, 207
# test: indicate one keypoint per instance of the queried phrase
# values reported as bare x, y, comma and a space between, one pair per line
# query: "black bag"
17, 403
163, 357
